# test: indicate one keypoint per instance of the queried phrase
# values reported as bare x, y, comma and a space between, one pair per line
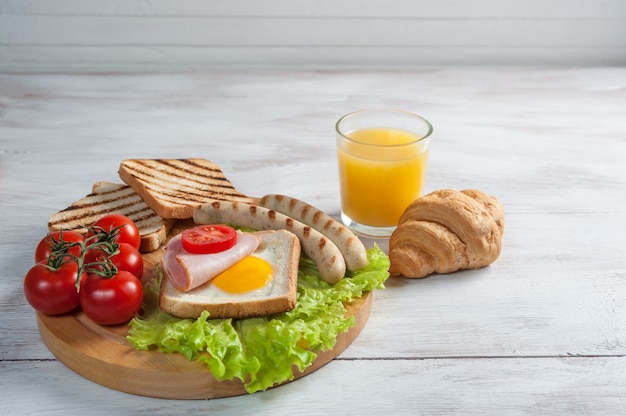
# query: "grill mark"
292, 203
122, 189
87, 218
305, 210
152, 170
141, 214
119, 198
96, 209
136, 213
86, 203
195, 171
198, 172
189, 186
190, 198
199, 166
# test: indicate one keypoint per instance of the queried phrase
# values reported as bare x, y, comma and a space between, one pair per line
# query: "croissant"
446, 231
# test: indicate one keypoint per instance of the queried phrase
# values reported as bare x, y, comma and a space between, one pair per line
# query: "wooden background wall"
129, 35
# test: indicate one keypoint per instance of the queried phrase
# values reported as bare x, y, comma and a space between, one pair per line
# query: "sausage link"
349, 244
329, 260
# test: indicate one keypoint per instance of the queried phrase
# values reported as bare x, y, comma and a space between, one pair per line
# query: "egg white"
269, 253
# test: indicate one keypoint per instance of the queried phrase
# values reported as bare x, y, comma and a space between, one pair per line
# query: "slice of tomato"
208, 239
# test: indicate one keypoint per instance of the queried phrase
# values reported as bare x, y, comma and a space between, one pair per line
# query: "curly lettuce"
262, 352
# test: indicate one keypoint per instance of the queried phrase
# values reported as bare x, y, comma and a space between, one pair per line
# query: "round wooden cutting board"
103, 355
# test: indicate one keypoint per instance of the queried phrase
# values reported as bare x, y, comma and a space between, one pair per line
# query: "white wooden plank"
184, 58
538, 9
572, 386
359, 32
548, 303
127, 36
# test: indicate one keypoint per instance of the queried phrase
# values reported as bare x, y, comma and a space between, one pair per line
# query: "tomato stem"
101, 240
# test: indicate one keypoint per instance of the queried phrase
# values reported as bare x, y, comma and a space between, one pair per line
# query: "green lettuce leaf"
262, 352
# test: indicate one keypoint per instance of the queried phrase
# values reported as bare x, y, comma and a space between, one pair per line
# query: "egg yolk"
248, 274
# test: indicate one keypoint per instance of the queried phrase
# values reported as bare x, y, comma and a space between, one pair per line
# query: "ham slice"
188, 271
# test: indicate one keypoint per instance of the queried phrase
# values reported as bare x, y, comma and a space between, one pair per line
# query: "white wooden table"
540, 331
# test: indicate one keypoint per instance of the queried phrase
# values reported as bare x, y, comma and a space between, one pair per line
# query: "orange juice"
381, 171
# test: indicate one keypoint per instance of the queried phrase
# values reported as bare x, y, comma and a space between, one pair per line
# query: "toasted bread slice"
106, 198
281, 248
173, 187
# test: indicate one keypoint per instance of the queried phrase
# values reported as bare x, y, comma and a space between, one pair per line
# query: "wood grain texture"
540, 331
577, 386
321, 8
70, 35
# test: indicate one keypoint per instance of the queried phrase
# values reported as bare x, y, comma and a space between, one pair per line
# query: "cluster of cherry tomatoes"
100, 272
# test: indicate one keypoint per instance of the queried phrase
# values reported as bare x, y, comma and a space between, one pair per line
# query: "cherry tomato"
52, 292
111, 300
128, 233
128, 258
54, 241
207, 239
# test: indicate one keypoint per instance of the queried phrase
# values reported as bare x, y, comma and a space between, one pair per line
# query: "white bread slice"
106, 198
173, 187
282, 289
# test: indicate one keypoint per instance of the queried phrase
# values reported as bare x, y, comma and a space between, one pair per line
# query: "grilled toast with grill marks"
106, 198
174, 187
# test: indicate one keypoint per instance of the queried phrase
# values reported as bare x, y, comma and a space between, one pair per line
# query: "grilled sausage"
329, 260
350, 246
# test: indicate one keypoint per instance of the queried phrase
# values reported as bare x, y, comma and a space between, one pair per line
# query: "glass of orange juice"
382, 156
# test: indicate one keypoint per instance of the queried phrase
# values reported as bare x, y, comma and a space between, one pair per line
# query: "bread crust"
191, 304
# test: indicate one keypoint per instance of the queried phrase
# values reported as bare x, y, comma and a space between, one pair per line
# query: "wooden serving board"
103, 355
